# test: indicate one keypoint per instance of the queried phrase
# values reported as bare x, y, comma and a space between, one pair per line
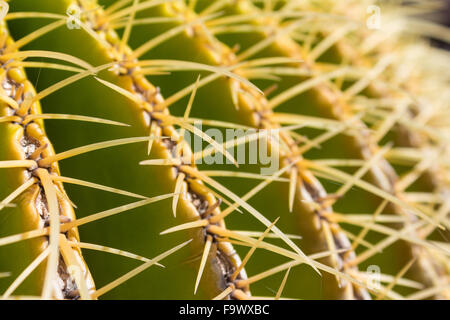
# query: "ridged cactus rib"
383, 175
24, 140
188, 172
307, 187
363, 144
225, 258
205, 45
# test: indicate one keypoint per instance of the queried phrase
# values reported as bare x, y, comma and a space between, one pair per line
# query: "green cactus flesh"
111, 201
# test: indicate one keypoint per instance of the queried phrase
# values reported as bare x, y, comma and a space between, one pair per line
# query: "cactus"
114, 200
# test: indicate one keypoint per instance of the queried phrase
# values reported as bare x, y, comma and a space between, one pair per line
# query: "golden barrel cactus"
226, 149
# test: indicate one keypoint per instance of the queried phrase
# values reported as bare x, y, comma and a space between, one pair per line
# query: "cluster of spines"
49, 203
385, 177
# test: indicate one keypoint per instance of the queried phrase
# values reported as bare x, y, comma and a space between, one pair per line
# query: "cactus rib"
383, 175
260, 116
150, 101
46, 201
